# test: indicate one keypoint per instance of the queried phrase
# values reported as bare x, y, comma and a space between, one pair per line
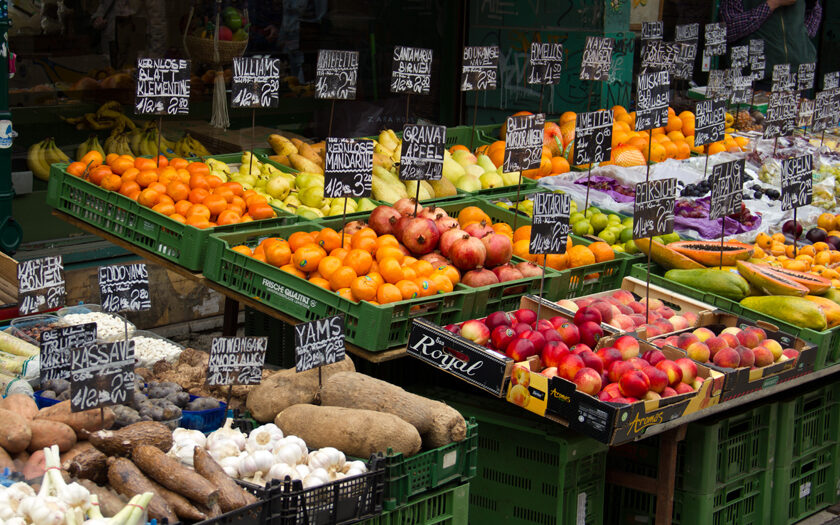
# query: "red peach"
569, 366
703, 333
669, 392
588, 381
686, 339
637, 307
671, 369
727, 358
691, 318
655, 304
569, 332
790, 353
684, 388
658, 378
730, 338
715, 345
552, 353
618, 368
763, 356
550, 371
605, 309
628, 346
699, 352
689, 369
608, 355
591, 360
748, 338
678, 322
747, 356
654, 356
623, 296
773, 346
634, 383
665, 312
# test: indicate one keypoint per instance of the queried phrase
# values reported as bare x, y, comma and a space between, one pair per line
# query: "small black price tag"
421, 157
806, 113
741, 89
727, 183
831, 80
661, 55
653, 208
715, 40
824, 115
652, 98
782, 79
805, 76
739, 56
709, 121
687, 33
348, 168
684, 68
41, 285
652, 30
124, 288
593, 137
719, 84
336, 74
550, 228
411, 70
797, 182
757, 61
479, 68
319, 342
101, 375
236, 360
545, 63
163, 87
57, 346
596, 61
523, 142
781, 114
256, 82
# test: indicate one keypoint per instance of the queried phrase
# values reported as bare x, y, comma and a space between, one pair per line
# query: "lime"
590, 212
630, 247
607, 236
598, 221
581, 227
614, 218
626, 234
628, 221
575, 217
671, 237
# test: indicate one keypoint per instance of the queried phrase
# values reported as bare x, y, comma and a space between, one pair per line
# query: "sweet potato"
128, 480
170, 473
15, 433
437, 423
6, 461
21, 404
121, 442
89, 420
181, 505
287, 388
90, 464
355, 432
35, 465
231, 495
77, 449
46, 433
110, 503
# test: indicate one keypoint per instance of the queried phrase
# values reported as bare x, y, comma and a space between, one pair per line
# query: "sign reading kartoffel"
256, 82
101, 375
163, 87
781, 114
40, 284
236, 360
597, 58
523, 142
348, 168
652, 97
550, 228
479, 68
709, 121
797, 182
545, 63
715, 40
336, 74
319, 342
421, 157
412, 70
653, 208
124, 288
593, 137
57, 346
727, 188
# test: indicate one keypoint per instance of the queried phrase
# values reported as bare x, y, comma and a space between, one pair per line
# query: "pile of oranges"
550, 164
576, 254
817, 258
183, 190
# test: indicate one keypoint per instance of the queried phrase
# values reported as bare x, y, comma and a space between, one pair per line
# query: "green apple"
598, 221
581, 227
576, 217
630, 247
607, 236
613, 218
627, 221
626, 234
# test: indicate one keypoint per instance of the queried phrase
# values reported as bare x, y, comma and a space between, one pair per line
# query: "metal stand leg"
231, 317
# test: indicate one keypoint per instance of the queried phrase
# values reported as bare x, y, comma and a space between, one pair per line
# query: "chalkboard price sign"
653, 208
101, 375
806, 113
709, 121
652, 98
593, 137
805, 76
727, 183
124, 287
718, 85
336, 74
687, 33
715, 40
319, 342
661, 55
597, 58
163, 87
782, 79
757, 62
57, 346
545, 63
479, 69
824, 115
831, 80
781, 114
236, 360
256, 82
40, 284
523, 142
684, 68
739, 56
550, 229
411, 70
421, 157
741, 89
797, 182
652, 30
348, 168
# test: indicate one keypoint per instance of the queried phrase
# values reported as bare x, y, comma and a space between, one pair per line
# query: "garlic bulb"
222, 448
180, 436
302, 471
227, 433
327, 458
230, 465
289, 454
259, 461
312, 481
301, 444
11, 497
43, 510
354, 465
281, 471
264, 438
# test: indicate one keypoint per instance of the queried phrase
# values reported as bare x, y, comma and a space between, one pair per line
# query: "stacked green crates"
449, 506
807, 465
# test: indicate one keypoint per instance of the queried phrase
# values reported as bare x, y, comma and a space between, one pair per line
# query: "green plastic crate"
742, 502
448, 506
407, 478
808, 485
125, 218
807, 423
827, 341
528, 185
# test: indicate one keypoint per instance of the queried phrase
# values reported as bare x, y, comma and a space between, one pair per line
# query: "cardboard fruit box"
743, 380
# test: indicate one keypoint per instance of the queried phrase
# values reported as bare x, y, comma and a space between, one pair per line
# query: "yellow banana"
53, 155
36, 162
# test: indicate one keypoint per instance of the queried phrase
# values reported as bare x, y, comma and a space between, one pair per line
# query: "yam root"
15, 433
355, 432
21, 404
110, 503
90, 464
46, 433
128, 480
170, 473
181, 505
437, 423
122, 442
80, 422
6, 460
287, 388
231, 495
77, 449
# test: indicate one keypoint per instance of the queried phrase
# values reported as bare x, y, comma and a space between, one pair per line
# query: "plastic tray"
42, 321
449, 506
43, 402
204, 420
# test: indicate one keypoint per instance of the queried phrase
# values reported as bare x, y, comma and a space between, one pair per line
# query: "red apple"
638, 363
552, 352
727, 358
587, 314
535, 337
521, 327
689, 369
685, 339
671, 369
501, 336
616, 369
658, 379
591, 360
608, 355
652, 396
551, 334
763, 356
570, 333
475, 331
520, 349
590, 333
454, 328
569, 366
588, 381
497, 319
634, 384
603, 395
654, 356
620, 401
628, 346
699, 352
526, 315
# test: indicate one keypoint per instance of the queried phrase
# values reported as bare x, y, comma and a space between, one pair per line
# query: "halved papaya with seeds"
764, 278
815, 284
708, 253
666, 257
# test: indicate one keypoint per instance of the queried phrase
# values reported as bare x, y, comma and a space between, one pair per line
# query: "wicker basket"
201, 49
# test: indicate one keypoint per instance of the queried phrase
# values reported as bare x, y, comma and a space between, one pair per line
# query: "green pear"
309, 213
312, 196
464, 158
510, 178
491, 179
292, 200
245, 179
443, 187
366, 205
475, 170
468, 183
306, 179
485, 162
278, 187
221, 174
452, 170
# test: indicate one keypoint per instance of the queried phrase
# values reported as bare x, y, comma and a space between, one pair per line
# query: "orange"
278, 253
98, 173
213, 181
472, 214
307, 257
674, 123
178, 190
255, 199
558, 261
364, 232
359, 260
227, 217
820, 246
130, 174
457, 147
388, 293
638, 142
670, 149
198, 195
386, 240
559, 165
422, 268
328, 239
827, 221
365, 243
409, 273
543, 171
342, 277
129, 187
408, 289
450, 272
676, 135
580, 256
298, 239
164, 208
244, 250
292, 270
199, 181
391, 270
568, 116
224, 192
390, 252
425, 287
199, 210
328, 265
92, 157
441, 283
521, 249
341, 253
658, 153
503, 228
142, 163
198, 222
602, 251
76, 169
346, 293
112, 182
742, 141
376, 277
178, 163
183, 207
320, 281
715, 147
198, 168
111, 157
158, 187
260, 211
683, 150
215, 203
523, 232
364, 288
178, 217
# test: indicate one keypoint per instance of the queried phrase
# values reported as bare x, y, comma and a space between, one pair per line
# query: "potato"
21, 404
15, 433
46, 433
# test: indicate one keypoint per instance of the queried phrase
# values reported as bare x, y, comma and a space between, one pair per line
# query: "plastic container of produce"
145, 358
106, 330
203, 420
42, 401
29, 328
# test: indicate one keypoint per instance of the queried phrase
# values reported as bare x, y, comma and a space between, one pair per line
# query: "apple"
578, 348
715, 345
608, 355
654, 356
763, 356
569, 333
558, 320
671, 370
623, 296
568, 305
552, 352
475, 331
684, 388
727, 358
587, 314
747, 356
628, 346
703, 334
616, 369
658, 379
543, 324
520, 349
520, 375
590, 333
587, 381
519, 395
501, 336
535, 337
497, 319
591, 360
668, 392
550, 371
634, 383
689, 369
748, 338
526, 315
686, 339
699, 352
773, 346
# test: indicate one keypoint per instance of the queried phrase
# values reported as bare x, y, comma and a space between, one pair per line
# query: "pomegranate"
420, 235
406, 206
479, 229
447, 223
352, 227
399, 226
479, 277
383, 218
435, 259
432, 212
529, 269
448, 237
506, 272
499, 249
467, 253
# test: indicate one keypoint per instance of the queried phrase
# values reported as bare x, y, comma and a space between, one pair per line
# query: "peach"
664, 325
638, 319
747, 356
665, 312
691, 318
658, 379
748, 338
634, 384
686, 339
730, 330
715, 345
628, 346
519, 395
591, 360
698, 351
653, 357
763, 356
569, 333
669, 392
588, 381
652, 330
659, 343
550, 371
730, 338
520, 375
652, 396
623, 296
637, 307
568, 305
762, 335
569, 365
623, 322
605, 309
689, 369
703, 333
586, 301
617, 369
655, 304
624, 309
638, 363
608, 355
773, 346
671, 369
684, 388
727, 358
698, 382
678, 322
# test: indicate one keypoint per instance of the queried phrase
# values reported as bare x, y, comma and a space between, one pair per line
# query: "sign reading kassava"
101, 375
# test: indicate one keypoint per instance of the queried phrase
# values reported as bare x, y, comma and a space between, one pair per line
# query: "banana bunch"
108, 116
91, 144
190, 147
298, 154
118, 143
41, 155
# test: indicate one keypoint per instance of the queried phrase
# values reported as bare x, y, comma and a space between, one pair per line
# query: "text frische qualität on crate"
523, 142
163, 87
124, 288
411, 70
709, 121
57, 346
236, 360
479, 69
101, 375
797, 182
727, 183
652, 98
41, 284
336, 74
256, 82
422, 152
593, 137
319, 342
348, 168
545, 63
653, 208
596, 60
550, 223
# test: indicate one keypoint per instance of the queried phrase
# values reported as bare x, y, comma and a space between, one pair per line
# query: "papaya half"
719, 282
708, 253
815, 284
765, 279
664, 256
794, 310
829, 308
